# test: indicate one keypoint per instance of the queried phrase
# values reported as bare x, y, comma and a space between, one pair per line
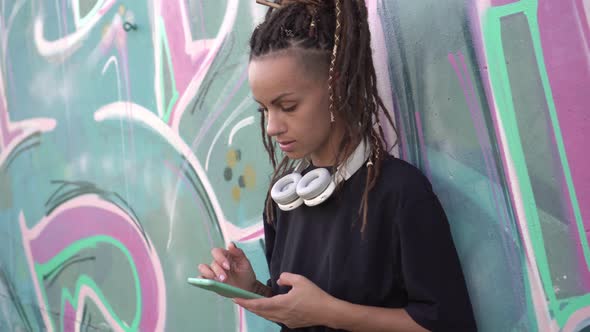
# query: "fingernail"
226, 265
221, 277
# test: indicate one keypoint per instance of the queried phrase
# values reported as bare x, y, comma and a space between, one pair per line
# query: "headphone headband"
343, 172
354, 162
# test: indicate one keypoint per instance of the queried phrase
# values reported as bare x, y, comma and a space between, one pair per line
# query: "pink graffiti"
567, 74
191, 58
14, 133
87, 216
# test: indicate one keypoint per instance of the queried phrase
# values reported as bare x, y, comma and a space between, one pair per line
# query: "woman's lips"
287, 146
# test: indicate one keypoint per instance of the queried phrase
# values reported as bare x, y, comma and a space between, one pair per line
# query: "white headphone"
293, 190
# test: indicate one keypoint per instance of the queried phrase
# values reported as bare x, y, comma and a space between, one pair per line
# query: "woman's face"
296, 107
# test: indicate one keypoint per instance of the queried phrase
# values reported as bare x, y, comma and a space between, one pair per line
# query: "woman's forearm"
353, 317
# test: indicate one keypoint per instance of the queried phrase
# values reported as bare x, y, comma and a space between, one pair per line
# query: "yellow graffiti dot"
231, 158
235, 193
249, 177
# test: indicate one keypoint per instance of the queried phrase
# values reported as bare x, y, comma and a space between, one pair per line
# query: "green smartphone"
223, 289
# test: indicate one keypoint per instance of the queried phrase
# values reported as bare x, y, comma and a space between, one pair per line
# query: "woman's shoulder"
394, 164
402, 178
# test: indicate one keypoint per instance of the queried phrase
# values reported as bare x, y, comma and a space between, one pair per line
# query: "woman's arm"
353, 317
307, 305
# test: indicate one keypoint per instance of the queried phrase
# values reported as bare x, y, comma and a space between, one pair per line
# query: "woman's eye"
289, 109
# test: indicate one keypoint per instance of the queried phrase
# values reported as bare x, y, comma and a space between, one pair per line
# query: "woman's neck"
327, 158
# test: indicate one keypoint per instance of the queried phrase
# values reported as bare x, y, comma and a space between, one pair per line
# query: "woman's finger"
235, 251
206, 271
220, 273
221, 256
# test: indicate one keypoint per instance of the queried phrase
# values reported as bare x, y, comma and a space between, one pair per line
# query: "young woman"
361, 242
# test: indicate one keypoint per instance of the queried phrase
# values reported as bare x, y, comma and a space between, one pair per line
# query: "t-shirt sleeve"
437, 295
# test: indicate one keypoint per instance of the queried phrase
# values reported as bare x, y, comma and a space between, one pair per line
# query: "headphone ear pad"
314, 183
284, 191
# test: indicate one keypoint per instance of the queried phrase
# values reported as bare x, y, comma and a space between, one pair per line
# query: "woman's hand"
230, 266
304, 305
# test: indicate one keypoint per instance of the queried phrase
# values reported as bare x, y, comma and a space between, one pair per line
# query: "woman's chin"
294, 154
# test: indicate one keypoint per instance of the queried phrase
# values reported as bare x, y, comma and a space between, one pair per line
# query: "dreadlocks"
336, 31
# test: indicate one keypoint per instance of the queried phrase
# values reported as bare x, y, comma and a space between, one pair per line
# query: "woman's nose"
274, 125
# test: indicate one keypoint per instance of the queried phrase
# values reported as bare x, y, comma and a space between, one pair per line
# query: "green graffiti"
500, 83
84, 280
170, 69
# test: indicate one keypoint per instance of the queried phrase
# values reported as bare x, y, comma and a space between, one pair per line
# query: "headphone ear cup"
284, 192
313, 184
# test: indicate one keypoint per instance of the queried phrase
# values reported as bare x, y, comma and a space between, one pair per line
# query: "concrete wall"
127, 152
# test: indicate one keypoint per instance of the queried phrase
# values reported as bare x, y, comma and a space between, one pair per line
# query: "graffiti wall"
130, 145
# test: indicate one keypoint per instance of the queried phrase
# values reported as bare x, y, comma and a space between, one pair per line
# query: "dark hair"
338, 30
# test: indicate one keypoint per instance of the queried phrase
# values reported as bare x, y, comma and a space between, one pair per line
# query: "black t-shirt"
405, 258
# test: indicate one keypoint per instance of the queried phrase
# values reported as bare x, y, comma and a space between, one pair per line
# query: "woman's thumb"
287, 279
234, 250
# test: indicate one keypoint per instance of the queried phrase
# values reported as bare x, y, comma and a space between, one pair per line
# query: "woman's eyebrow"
277, 99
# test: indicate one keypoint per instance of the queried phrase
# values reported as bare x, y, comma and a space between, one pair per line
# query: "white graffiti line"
258, 12
240, 125
157, 42
6, 25
99, 7
113, 60
150, 120
241, 108
12, 134
243, 325
381, 60
544, 320
137, 113
170, 209
582, 13
191, 90
59, 50
587, 10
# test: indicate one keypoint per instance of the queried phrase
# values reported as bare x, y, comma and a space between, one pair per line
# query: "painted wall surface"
130, 145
